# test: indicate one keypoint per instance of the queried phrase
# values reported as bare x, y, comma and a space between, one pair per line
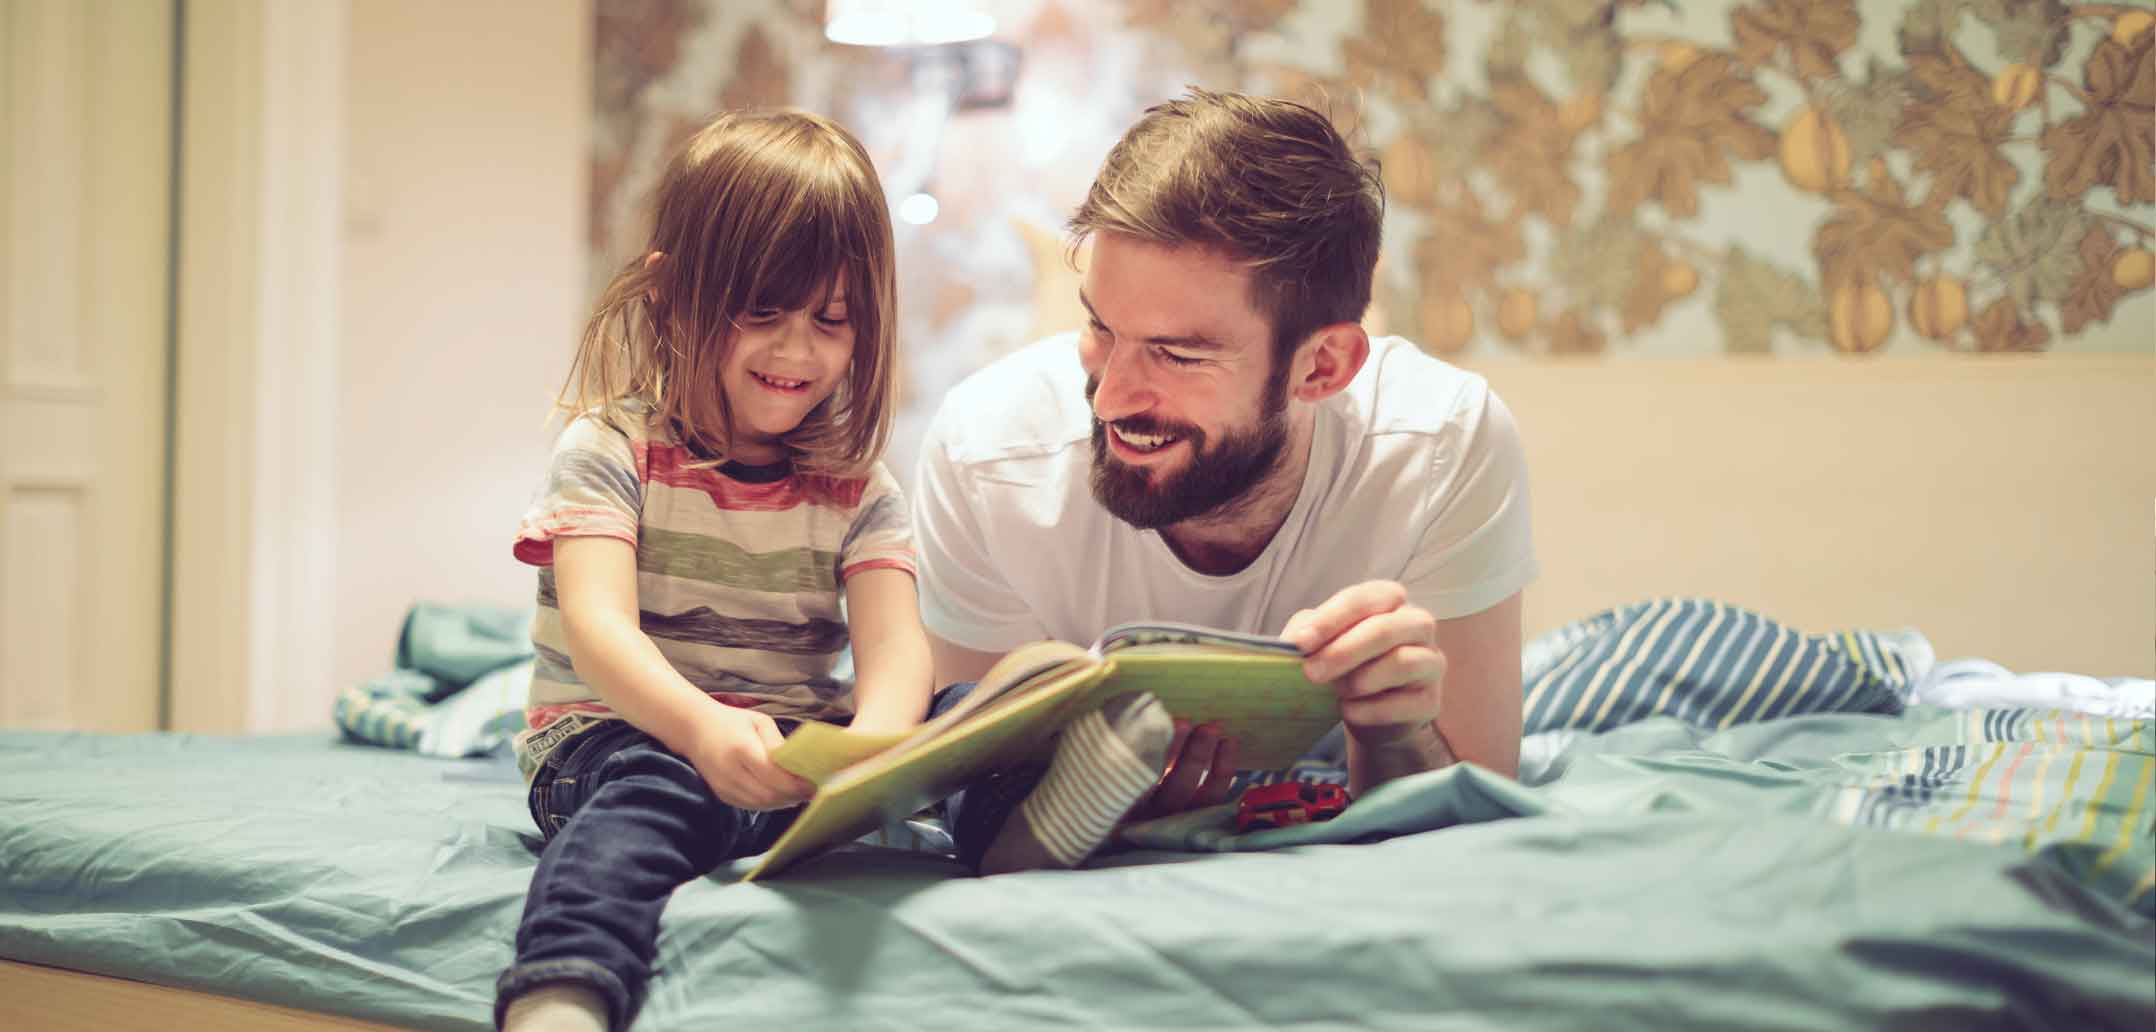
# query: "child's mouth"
780, 383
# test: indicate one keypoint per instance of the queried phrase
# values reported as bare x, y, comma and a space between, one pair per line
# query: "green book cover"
1252, 686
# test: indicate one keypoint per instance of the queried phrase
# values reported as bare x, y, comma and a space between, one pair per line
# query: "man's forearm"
1411, 751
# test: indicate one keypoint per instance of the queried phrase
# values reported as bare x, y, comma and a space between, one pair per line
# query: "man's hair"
758, 209
1268, 182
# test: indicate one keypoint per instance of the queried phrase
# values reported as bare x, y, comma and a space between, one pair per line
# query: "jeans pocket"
559, 801
561, 788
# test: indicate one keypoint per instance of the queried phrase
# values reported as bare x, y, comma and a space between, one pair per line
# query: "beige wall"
2000, 506
463, 286
2003, 507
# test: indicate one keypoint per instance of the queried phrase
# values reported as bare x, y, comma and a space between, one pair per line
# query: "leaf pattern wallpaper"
1615, 178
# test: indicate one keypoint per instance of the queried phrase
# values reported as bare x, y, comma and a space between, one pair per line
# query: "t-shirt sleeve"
592, 490
1477, 544
881, 535
965, 599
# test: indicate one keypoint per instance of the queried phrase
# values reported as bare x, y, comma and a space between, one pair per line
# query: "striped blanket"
2066, 786
1705, 662
1693, 705
2072, 792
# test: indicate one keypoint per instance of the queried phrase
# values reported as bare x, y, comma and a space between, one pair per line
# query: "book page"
1257, 692
1023, 666
896, 782
1262, 701
1131, 635
818, 751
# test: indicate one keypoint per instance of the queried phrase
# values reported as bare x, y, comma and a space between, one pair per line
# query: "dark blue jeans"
626, 822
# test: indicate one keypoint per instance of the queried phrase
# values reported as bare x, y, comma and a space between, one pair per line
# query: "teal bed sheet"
1826, 872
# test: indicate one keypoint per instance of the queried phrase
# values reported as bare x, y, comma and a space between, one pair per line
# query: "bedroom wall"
463, 287
1838, 310
2002, 507
493, 151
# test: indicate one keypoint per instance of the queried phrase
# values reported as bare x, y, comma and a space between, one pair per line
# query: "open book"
1253, 686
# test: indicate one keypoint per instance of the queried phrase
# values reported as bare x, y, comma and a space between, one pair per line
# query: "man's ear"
1329, 360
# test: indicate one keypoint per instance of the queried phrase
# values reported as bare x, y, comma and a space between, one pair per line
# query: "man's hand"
1379, 653
732, 750
1201, 769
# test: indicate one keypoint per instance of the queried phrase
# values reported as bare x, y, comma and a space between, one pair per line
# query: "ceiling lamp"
904, 23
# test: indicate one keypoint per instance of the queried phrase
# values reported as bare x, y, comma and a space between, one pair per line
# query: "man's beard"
1216, 479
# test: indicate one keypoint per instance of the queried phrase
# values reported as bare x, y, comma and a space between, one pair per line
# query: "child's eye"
759, 316
833, 321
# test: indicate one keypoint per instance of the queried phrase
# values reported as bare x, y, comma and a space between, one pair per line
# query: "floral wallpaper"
1620, 178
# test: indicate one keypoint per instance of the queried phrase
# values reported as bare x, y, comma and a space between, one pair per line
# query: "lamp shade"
894, 23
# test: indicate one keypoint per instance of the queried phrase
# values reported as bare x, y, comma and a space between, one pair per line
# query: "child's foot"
556, 1007
1105, 762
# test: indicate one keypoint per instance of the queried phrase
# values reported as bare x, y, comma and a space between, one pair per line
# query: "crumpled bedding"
1656, 876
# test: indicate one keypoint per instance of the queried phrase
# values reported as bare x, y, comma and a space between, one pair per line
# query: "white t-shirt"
1416, 475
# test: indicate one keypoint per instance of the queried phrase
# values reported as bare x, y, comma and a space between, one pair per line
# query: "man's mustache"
1143, 425
1149, 427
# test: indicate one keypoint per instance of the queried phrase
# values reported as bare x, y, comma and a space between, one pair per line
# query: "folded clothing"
462, 675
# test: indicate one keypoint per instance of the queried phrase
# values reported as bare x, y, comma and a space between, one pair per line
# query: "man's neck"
1226, 542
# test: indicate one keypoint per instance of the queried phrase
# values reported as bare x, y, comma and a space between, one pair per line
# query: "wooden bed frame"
49, 999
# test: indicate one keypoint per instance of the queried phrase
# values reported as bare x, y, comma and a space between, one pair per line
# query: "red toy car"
1288, 803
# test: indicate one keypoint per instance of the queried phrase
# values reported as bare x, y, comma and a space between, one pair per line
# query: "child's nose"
793, 329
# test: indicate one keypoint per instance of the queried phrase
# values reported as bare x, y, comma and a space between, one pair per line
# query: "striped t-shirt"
738, 578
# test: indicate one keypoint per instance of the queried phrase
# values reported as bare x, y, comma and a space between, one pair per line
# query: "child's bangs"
812, 250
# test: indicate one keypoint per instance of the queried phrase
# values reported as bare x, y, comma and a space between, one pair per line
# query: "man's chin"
1149, 474
1142, 497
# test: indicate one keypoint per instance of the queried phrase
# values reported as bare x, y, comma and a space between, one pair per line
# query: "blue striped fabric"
1705, 662
2070, 786
389, 710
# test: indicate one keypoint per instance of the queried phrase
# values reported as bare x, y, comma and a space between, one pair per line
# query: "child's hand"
732, 750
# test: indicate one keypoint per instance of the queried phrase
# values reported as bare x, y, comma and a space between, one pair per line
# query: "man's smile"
1135, 447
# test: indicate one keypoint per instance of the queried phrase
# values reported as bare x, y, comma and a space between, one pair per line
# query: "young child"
715, 493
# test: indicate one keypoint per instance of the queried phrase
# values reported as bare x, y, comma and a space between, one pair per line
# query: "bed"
1930, 867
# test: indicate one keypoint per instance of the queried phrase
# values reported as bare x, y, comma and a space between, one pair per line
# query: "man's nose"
1121, 390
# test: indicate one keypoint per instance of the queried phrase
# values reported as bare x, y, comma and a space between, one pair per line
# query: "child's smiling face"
780, 365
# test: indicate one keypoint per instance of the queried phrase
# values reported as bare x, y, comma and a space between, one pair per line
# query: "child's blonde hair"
756, 210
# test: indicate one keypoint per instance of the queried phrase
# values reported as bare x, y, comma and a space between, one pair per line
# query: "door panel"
85, 160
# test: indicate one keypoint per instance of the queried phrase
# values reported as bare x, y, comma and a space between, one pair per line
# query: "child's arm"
890, 651
595, 582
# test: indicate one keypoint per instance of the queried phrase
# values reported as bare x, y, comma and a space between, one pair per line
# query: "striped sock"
1104, 762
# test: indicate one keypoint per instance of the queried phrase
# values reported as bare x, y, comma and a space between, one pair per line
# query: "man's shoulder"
1405, 390
1028, 404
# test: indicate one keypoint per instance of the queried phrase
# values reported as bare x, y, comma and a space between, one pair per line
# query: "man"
1223, 444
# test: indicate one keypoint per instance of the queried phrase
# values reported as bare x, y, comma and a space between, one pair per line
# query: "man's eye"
1181, 360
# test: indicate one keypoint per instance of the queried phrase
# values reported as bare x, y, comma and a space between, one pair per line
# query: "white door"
85, 186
